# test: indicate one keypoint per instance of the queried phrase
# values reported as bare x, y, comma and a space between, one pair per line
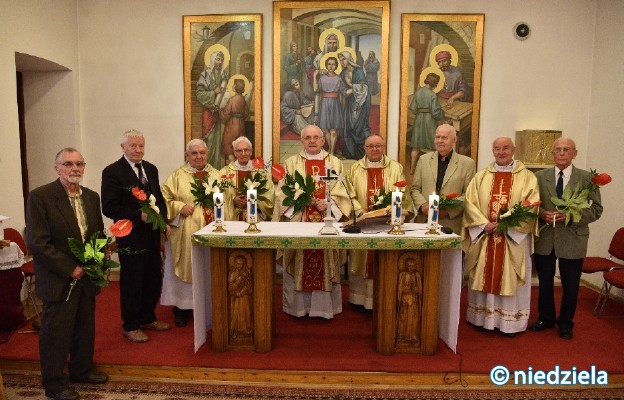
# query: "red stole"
495, 251
375, 183
241, 176
314, 259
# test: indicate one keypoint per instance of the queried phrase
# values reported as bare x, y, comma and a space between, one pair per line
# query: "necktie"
559, 187
142, 177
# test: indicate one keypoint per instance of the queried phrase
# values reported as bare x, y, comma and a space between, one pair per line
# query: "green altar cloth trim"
327, 242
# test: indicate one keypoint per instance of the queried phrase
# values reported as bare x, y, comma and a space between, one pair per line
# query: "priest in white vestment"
185, 218
370, 177
311, 279
498, 264
241, 171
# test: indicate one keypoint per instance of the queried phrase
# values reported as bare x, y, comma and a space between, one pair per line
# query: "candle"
252, 210
217, 198
397, 197
434, 204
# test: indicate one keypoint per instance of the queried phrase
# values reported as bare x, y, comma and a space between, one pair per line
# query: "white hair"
132, 133
195, 142
241, 139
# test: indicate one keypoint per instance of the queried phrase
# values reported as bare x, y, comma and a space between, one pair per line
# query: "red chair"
612, 277
28, 269
602, 264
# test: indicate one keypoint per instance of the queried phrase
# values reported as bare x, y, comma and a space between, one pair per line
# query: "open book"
380, 216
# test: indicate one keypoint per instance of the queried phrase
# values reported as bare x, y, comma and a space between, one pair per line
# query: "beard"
74, 179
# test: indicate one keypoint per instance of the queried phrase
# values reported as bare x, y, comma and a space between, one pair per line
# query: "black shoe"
92, 377
67, 394
540, 326
566, 333
509, 334
180, 320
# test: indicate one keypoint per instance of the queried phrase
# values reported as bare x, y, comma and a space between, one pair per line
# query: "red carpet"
345, 343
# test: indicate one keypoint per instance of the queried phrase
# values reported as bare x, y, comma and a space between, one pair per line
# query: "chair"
612, 277
602, 264
28, 269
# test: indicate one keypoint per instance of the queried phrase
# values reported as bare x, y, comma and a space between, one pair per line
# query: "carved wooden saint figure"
240, 289
409, 292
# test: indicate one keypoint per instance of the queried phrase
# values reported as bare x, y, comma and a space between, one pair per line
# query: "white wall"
606, 123
45, 29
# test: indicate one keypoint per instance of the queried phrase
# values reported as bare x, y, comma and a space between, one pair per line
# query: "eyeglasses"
242, 151
374, 146
564, 150
312, 138
69, 164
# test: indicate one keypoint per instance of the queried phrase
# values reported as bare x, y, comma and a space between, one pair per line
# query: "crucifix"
328, 228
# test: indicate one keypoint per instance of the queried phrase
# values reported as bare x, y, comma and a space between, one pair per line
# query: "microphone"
353, 228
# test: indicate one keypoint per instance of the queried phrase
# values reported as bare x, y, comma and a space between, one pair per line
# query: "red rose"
257, 163
400, 184
451, 195
121, 228
278, 171
601, 179
138, 193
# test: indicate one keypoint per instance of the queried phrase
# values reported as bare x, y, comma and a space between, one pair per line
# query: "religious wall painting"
441, 59
330, 68
222, 85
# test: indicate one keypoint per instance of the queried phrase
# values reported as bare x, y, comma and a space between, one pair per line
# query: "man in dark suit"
568, 243
57, 211
141, 276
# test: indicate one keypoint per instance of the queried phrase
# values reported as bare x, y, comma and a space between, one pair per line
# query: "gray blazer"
569, 241
50, 220
458, 174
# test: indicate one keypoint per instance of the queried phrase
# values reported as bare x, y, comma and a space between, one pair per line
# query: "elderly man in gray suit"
442, 171
558, 240
57, 211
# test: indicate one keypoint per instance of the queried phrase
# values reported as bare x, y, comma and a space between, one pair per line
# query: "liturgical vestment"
177, 280
498, 265
325, 300
238, 173
366, 179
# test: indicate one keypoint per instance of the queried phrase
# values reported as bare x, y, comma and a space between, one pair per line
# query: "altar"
219, 258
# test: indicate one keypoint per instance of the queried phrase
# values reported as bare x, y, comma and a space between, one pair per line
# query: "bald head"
445, 138
564, 151
504, 149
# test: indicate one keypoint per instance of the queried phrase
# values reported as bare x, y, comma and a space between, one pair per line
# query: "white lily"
507, 214
152, 201
251, 184
298, 191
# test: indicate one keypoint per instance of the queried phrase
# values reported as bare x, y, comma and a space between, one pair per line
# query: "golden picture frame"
307, 37
446, 51
222, 82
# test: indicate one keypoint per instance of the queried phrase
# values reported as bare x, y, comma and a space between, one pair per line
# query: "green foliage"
515, 217
298, 190
381, 200
573, 201
259, 180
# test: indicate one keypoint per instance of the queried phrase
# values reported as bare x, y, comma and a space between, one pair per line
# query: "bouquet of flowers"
575, 199
382, 199
449, 200
516, 215
203, 188
149, 207
298, 190
255, 179
93, 254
